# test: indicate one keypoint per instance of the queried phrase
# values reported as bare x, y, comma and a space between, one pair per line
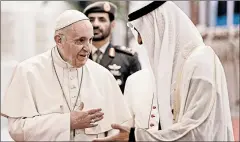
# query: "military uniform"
121, 62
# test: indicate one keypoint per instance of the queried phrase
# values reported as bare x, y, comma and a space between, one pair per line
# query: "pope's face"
76, 43
101, 25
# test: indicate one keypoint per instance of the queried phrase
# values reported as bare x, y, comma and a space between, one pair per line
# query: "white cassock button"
151, 125
78, 103
73, 87
71, 78
73, 96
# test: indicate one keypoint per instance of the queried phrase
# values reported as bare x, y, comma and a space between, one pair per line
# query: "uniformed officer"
119, 60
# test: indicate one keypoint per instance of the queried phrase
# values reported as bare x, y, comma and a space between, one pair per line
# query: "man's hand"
85, 119
122, 135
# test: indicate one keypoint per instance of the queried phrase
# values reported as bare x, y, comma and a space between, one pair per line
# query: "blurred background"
27, 29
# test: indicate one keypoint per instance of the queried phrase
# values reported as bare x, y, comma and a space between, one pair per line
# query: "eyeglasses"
78, 41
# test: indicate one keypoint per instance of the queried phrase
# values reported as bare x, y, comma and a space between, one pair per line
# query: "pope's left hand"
122, 135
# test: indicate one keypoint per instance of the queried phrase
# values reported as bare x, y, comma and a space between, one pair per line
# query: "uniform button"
73, 96
154, 107
71, 78
119, 82
151, 125
152, 115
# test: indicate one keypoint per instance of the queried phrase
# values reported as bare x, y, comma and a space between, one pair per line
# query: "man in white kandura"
45, 98
186, 76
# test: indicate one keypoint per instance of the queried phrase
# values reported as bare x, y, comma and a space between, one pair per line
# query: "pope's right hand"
85, 119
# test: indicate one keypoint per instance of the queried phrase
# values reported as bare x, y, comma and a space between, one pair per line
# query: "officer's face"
75, 43
102, 25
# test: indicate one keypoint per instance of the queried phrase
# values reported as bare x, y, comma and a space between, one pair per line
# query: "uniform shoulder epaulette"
125, 50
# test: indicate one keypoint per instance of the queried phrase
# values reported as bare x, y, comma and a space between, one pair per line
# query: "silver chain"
62, 87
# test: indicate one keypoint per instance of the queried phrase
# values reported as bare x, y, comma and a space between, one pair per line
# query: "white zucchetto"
69, 17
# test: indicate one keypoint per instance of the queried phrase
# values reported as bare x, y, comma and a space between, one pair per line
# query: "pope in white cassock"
185, 82
61, 94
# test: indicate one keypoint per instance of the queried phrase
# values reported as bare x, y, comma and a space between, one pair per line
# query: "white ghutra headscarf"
168, 36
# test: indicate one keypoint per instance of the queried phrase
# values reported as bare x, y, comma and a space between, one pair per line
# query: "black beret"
102, 6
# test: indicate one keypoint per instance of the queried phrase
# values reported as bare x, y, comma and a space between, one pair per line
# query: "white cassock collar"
58, 59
